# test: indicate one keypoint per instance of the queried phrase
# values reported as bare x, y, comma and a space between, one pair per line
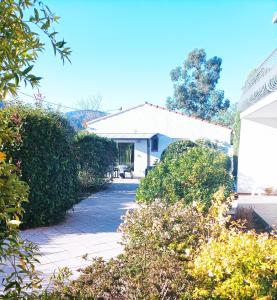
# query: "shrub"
95, 155
177, 252
158, 239
179, 148
160, 242
176, 149
236, 265
17, 257
47, 158
197, 175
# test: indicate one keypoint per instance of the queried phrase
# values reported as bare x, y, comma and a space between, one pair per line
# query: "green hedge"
45, 152
195, 175
95, 156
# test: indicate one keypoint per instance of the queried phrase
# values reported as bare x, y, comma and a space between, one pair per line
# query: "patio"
90, 229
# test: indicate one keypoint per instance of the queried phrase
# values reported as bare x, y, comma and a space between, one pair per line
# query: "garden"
180, 243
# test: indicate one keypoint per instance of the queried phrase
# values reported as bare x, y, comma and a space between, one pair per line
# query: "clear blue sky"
124, 50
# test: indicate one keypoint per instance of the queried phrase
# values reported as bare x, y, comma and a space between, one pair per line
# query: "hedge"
95, 156
195, 175
46, 155
17, 256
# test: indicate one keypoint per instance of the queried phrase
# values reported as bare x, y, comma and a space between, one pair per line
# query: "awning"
127, 136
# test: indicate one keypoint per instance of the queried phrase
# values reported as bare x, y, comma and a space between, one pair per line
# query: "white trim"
259, 105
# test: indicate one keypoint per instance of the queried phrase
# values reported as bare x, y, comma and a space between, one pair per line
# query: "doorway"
126, 154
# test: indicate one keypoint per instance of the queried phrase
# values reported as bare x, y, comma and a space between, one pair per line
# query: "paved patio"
91, 228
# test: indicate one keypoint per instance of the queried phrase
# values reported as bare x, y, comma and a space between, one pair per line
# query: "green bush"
179, 148
17, 257
95, 155
176, 149
196, 175
46, 155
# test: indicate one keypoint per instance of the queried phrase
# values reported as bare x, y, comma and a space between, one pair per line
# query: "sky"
124, 50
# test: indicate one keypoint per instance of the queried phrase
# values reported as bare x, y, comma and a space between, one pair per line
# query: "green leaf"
27, 70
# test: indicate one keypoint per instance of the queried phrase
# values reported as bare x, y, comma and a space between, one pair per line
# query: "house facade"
257, 163
143, 133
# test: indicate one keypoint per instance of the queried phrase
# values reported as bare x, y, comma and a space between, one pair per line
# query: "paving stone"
90, 228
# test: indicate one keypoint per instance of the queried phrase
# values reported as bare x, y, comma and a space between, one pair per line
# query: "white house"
257, 164
144, 131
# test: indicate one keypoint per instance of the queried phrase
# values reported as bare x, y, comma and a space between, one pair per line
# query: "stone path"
91, 228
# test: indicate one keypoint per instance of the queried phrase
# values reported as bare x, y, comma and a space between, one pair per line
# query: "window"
155, 144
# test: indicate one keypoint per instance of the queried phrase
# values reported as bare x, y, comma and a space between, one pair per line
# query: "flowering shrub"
159, 245
236, 265
195, 175
177, 252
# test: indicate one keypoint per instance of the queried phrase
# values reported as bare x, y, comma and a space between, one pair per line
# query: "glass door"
126, 154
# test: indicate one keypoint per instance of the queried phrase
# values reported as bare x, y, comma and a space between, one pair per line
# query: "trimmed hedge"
46, 156
95, 155
195, 175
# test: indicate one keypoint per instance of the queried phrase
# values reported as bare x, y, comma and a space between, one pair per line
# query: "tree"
195, 83
21, 21
228, 116
91, 103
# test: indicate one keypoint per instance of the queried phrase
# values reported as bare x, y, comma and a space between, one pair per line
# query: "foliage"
95, 156
177, 252
195, 83
180, 147
236, 134
17, 257
236, 142
227, 117
196, 175
91, 103
47, 158
159, 241
237, 265
21, 44
19, 49
78, 118
177, 148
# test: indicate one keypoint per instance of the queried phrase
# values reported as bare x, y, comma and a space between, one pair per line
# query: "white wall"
140, 158
140, 153
150, 119
164, 141
257, 166
169, 125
